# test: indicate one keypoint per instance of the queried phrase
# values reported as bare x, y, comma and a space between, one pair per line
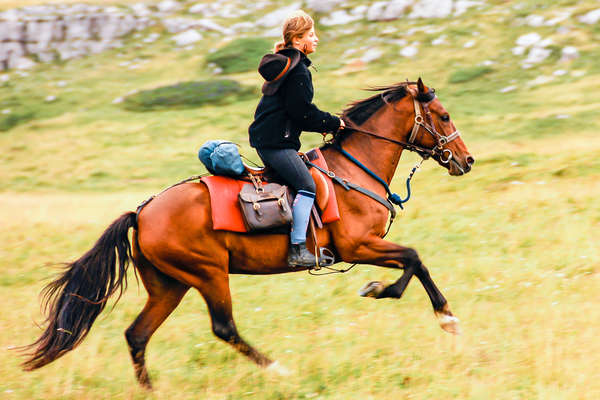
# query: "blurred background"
105, 103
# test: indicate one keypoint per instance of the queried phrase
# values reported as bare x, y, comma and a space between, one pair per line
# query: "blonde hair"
295, 25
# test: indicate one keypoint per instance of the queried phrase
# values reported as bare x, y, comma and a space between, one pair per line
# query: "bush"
9, 121
187, 95
240, 55
468, 74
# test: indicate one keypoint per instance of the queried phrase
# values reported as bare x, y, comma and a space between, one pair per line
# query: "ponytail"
295, 25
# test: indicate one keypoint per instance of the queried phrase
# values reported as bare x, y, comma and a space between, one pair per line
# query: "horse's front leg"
387, 254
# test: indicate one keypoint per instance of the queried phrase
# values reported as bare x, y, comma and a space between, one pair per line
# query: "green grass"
512, 245
240, 55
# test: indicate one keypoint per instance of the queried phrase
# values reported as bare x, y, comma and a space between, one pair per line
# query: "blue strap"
393, 197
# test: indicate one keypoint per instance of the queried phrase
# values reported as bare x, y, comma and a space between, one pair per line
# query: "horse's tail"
74, 300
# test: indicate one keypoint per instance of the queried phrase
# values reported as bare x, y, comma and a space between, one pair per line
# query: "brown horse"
175, 248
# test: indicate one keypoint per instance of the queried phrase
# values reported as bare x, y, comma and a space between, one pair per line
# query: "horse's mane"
359, 111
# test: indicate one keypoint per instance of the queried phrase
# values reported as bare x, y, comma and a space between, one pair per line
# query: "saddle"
223, 190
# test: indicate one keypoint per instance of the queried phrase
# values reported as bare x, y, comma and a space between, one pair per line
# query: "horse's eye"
445, 118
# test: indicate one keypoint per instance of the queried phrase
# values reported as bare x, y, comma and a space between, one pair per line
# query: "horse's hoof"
449, 323
277, 369
372, 289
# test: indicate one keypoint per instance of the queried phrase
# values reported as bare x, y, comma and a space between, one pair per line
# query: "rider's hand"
342, 125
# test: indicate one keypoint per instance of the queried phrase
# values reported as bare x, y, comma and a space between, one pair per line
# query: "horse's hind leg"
164, 294
215, 290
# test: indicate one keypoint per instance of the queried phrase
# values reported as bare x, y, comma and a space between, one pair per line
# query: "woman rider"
284, 111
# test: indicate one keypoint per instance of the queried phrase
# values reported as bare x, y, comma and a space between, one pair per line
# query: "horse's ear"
420, 85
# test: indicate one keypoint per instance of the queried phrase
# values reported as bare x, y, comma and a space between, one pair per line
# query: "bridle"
429, 127
444, 154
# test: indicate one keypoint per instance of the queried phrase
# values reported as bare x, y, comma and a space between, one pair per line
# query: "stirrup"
326, 257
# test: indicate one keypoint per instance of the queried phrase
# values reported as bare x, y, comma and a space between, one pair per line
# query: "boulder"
140, 9
168, 6
569, 53
176, 25
386, 11
340, 17
537, 55
210, 25
431, 9
323, 6
371, 55
277, 17
21, 63
409, 51
529, 39
78, 28
188, 37
591, 17
461, 6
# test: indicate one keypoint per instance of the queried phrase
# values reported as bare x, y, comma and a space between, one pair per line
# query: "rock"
371, 55
377, 11
569, 53
176, 25
50, 99
206, 9
409, 51
78, 28
469, 44
151, 38
242, 27
537, 55
10, 51
387, 11
209, 25
118, 100
340, 17
186, 38
519, 50
277, 17
591, 17
540, 80
140, 9
560, 72
529, 39
359, 10
508, 89
12, 30
168, 6
461, 6
431, 9
439, 40
534, 20
323, 6
21, 63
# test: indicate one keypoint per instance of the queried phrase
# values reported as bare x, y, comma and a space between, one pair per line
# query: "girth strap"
349, 185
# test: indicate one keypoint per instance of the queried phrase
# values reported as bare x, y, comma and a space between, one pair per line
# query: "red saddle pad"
226, 214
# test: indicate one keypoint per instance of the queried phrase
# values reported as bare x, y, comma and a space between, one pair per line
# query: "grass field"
513, 245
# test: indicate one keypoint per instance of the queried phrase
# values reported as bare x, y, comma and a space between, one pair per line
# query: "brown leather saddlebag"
265, 207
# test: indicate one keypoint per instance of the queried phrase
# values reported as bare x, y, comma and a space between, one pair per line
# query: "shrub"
9, 121
240, 55
187, 95
468, 74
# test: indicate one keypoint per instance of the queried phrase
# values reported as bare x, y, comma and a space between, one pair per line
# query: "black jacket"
279, 119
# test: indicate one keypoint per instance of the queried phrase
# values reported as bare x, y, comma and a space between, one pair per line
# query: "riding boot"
299, 256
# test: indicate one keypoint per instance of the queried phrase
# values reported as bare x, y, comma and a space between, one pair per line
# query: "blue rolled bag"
221, 157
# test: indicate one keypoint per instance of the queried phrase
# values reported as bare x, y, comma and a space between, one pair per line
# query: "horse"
174, 248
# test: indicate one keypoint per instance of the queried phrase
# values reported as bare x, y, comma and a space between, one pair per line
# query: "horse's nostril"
470, 160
